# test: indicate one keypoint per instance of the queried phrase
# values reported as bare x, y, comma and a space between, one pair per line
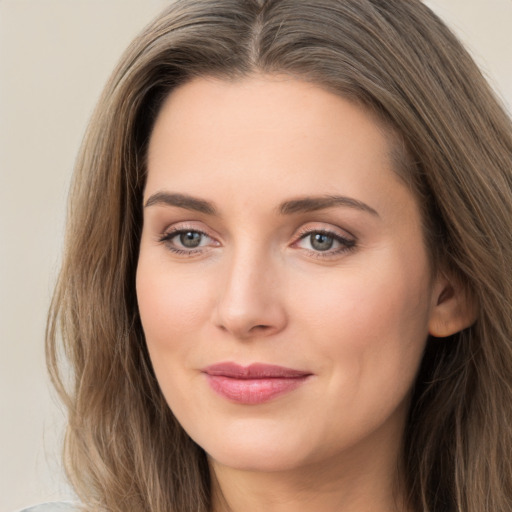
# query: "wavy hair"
124, 450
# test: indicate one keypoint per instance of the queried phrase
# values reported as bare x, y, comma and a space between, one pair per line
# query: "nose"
250, 302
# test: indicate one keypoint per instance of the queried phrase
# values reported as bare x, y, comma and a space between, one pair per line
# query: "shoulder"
56, 506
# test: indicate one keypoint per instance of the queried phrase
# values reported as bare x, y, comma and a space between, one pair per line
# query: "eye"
190, 239
323, 241
186, 241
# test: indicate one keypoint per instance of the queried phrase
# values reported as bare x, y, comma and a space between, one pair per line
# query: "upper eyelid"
172, 230
178, 227
331, 230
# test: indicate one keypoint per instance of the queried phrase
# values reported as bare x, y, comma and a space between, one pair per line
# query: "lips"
254, 384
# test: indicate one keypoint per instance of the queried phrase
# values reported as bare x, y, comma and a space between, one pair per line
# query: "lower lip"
253, 391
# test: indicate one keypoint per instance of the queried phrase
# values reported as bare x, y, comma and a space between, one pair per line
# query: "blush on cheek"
375, 310
170, 305
164, 315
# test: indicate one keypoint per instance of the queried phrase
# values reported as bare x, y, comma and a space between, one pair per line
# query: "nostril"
260, 327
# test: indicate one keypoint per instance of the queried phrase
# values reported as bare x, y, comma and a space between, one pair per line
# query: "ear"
454, 308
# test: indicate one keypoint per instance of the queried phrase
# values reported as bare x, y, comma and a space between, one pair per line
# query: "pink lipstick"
254, 384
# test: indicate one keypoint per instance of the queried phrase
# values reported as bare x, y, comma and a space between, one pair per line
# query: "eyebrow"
311, 204
181, 201
300, 205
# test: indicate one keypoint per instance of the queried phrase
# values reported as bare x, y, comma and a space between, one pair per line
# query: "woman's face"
283, 283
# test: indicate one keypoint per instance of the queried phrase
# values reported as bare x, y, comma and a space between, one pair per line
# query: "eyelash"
167, 238
346, 244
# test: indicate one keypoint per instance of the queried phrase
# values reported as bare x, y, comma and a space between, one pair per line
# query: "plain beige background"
55, 56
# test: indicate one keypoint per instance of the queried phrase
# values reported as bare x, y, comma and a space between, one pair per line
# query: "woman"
286, 282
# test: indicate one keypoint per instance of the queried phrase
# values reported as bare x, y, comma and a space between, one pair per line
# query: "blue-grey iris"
321, 242
190, 239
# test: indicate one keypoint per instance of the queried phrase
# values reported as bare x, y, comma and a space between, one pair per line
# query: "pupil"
321, 242
190, 239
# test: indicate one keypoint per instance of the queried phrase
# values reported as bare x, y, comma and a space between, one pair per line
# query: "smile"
254, 384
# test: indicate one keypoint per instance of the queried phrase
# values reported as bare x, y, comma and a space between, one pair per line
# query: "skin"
257, 289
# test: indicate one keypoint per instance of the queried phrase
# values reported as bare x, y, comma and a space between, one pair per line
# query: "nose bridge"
249, 300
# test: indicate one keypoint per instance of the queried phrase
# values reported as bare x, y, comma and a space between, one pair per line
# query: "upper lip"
253, 371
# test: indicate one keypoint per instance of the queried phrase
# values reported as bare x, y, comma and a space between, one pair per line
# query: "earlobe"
453, 309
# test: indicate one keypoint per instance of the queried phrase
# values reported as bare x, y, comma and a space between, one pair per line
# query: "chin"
256, 459
265, 448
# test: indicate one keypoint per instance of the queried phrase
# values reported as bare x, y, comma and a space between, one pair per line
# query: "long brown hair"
125, 451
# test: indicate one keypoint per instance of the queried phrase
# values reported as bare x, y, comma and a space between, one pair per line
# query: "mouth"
254, 384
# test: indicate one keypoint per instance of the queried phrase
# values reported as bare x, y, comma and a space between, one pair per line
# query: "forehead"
248, 101
209, 125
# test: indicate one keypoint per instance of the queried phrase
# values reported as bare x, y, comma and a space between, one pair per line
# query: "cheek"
371, 322
371, 303
174, 309
172, 304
